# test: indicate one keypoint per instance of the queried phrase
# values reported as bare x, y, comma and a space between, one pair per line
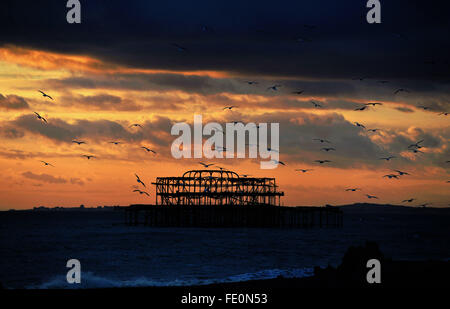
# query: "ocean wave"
90, 280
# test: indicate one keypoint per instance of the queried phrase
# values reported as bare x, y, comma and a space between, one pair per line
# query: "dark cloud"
156, 132
13, 102
251, 38
44, 177
101, 102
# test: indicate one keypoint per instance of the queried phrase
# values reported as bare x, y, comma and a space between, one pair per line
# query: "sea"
36, 245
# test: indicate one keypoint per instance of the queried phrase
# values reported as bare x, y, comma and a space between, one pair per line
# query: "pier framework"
221, 198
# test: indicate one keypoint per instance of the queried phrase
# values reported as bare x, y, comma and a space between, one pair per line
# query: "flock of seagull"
414, 148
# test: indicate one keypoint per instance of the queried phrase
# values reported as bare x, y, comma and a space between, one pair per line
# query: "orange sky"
109, 179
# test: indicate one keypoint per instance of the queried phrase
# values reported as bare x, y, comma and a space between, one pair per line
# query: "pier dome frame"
216, 187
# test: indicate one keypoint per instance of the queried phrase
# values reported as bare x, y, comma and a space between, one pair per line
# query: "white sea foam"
90, 280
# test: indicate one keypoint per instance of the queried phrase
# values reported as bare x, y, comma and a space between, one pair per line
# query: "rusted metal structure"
221, 198
216, 187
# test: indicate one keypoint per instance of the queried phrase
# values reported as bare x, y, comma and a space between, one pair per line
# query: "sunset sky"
121, 66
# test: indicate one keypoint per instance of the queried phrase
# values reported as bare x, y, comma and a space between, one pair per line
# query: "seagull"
409, 201
425, 108
321, 140
316, 104
206, 165
322, 161
425, 205
416, 145
47, 164
179, 47
298, 92
245, 175
115, 143
229, 107
135, 125
400, 173
88, 156
139, 180
374, 103
148, 149
358, 78
443, 113
400, 90
40, 117
387, 158
279, 162
390, 176
303, 170
373, 130
141, 192
274, 87
45, 95
359, 125
361, 108
352, 189
371, 196
251, 82
327, 149
78, 142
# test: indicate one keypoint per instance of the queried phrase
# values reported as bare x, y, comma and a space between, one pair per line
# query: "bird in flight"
47, 164
400, 173
374, 103
317, 105
425, 108
322, 161
78, 142
148, 149
371, 196
303, 170
88, 156
115, 143
373, 130
298, 92
274, 87
245, 175
425, 205
45, 95
135, 125
358, 78
443, 113
352, 189
206, 165
400, 90
383, 81
328, 149
139, 180
359, 125
321, 140
361, 108
388, 158
409, 200
229, 107
141, 192
40, 117
251, 82
391, 176
416, 145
